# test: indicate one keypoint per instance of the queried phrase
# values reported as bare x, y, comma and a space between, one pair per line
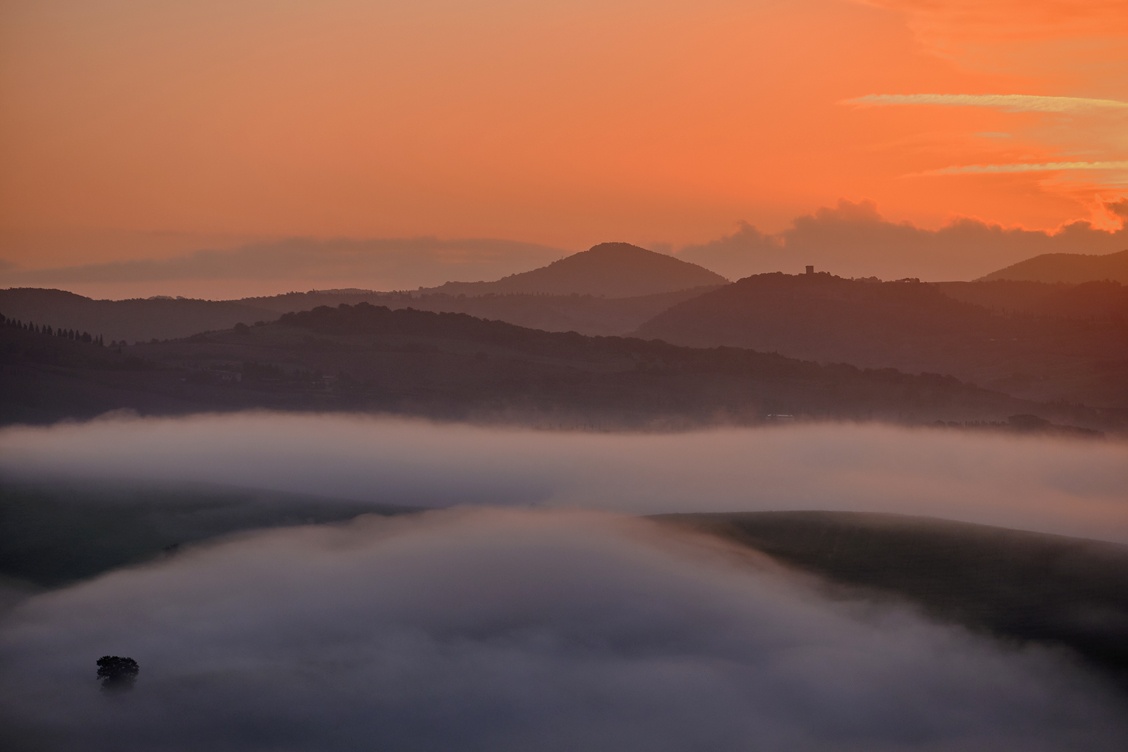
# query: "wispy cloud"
1004, 102
940, 23
986, 169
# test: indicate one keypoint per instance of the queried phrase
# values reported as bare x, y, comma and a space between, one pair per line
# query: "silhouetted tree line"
47, 329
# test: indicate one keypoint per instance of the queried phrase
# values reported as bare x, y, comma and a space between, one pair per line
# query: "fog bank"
514, 630
1054, 485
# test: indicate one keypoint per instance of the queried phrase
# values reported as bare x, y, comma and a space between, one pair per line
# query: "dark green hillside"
57, 534
1013, 584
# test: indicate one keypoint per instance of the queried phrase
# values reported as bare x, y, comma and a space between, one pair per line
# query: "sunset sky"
133, 130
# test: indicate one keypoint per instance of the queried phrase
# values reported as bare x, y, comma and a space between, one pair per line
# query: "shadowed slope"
1014, 584
910, 326
1067, 267
453, 366
1087, 300
57, 534
131, 320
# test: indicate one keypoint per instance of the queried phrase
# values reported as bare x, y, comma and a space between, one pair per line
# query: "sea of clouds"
503, 629
536, 611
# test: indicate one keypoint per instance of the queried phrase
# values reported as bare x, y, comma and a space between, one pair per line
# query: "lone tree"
117, 673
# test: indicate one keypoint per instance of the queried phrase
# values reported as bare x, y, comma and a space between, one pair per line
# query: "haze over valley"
562, 376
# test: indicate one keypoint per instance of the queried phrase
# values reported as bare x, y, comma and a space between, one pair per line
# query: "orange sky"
139, 129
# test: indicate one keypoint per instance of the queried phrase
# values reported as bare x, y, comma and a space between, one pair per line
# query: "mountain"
452, 366
609, 270
910, 326
608, 290
129, 320
1067, 267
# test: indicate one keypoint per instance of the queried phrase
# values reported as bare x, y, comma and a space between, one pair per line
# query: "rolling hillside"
452, 366
1016, 585
134, 320
1067, 267
910, 326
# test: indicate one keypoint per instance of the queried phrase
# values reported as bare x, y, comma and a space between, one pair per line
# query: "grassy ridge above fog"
1012, 584
57, 534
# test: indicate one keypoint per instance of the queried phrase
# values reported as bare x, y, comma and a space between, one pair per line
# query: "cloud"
1097, 127
940, 22
730, 254
1070, 487
515, 630
1118, 208
1035, 167
384, 264
854, 240
1004, 102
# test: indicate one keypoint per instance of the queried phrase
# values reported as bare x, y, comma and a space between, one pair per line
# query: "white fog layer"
1054, 485
494, 629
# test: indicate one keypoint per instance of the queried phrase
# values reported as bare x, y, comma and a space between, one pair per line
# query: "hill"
141, 320
134, 320
609, 270
452, 366
1017, 585
58, 533
1067, 267
585, 314
910, 326
1085, 300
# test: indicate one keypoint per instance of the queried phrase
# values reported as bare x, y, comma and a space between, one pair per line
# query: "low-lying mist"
1055, 485
496, 629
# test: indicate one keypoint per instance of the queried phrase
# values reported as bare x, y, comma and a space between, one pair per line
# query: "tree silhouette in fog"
117, 673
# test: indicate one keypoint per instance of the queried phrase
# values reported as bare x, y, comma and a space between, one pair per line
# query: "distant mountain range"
142, 320
910, 326
1070, 268
452, 366
610, 289
1031, 340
